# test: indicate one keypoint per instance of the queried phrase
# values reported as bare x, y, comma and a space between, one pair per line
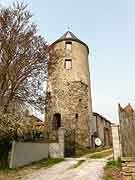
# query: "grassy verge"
102, 154
15, 174
46, 163
81, 150
112, 170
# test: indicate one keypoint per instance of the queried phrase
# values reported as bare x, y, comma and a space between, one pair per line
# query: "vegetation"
113, 163
112, 170
15, 174
23, 68
47, 163
81, 150
102, 154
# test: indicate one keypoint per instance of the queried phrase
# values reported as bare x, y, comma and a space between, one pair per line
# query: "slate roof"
68, 35
102, 117
71, 37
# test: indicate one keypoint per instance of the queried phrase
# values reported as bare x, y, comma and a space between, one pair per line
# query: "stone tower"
69, 101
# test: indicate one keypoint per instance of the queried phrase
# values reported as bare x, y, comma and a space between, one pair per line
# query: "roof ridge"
68, 34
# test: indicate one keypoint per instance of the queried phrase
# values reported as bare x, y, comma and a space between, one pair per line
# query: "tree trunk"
4, 152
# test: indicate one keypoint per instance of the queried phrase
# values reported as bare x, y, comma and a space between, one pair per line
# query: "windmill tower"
69, 101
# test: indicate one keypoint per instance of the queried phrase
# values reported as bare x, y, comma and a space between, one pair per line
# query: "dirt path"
89, 169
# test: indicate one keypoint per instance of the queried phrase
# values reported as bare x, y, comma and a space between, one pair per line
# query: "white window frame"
68, 45
68, 64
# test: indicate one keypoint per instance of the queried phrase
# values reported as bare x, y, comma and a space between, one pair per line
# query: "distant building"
35, 121
102, 130
31, 129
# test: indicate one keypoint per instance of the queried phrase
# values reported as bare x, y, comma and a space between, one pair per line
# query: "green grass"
108, 178
112, 170
15, 174
81, 150
46, 163
102, 154
113, 163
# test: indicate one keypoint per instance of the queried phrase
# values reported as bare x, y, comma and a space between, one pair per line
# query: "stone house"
69, 103
102, 130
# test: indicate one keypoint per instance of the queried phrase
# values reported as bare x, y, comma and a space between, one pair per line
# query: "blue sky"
108, 27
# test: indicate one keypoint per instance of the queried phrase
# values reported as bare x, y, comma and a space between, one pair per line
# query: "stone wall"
128, 168
72, 105
127, 132
127, 138
70, 93
24, 153
116, 142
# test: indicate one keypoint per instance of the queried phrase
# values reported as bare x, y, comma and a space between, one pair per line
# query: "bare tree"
23, 57
23, 66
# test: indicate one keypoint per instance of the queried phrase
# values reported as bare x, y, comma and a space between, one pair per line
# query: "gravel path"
90, 169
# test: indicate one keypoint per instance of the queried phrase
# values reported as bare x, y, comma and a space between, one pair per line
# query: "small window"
76, 116
68, 64
68, 46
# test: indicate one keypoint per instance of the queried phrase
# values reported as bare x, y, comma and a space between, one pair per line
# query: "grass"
46, 163
102, 154
112, 170
113, 163
81, 150
15, 174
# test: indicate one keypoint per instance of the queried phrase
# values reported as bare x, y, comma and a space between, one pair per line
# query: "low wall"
128, 168
24, 153
116, 142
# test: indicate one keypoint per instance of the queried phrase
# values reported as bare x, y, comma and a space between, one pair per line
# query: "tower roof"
70, 36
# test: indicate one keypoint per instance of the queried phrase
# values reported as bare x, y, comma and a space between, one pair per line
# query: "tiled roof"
129, 108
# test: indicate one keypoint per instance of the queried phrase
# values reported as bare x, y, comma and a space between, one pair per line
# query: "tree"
23, 68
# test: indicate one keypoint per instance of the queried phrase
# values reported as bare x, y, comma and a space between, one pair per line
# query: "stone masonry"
127, 136
69, 102
128, 168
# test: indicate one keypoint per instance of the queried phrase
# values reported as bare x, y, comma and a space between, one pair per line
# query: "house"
102, 130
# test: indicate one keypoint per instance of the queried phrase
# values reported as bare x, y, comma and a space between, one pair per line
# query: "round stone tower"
69, 102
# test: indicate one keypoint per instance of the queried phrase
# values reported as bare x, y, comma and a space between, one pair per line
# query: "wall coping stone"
128, 159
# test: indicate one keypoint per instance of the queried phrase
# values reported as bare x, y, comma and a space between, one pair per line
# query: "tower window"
68, 64
68, 45
76, 116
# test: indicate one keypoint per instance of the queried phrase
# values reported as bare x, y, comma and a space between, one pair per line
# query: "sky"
108, 28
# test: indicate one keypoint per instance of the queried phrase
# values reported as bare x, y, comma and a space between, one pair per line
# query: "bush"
114, 163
